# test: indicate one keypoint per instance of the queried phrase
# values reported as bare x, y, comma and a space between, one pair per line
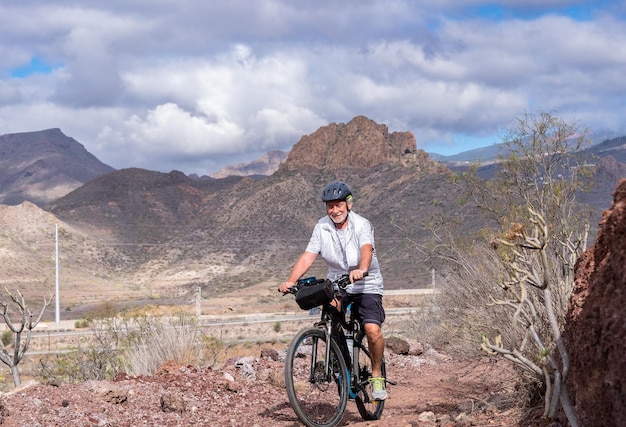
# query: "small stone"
427, 416
269, 353
397, 345
172, 403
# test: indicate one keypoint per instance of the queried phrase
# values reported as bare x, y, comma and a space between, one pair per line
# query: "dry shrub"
84, 364
459, 314
178, 339
135, 344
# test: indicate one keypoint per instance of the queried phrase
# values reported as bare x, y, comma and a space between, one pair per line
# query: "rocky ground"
432, 390
247, 388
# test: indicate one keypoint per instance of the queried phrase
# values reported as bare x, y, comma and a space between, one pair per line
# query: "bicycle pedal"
391, 382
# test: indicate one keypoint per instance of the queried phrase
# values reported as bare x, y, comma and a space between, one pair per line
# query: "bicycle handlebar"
340, 283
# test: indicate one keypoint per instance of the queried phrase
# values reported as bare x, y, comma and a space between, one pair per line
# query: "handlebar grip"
365, 274
292, 290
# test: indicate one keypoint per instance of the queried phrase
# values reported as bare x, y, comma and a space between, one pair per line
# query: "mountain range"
134, 233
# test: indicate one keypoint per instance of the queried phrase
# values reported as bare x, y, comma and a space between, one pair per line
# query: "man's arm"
367, 251
300, 267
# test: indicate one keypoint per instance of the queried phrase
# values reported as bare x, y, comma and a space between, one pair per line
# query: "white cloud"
168, 129
193, 85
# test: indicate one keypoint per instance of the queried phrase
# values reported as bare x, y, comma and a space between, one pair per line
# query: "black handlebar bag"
311, 296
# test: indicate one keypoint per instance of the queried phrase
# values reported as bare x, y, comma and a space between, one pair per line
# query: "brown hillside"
174, 233
89, 267
137, 206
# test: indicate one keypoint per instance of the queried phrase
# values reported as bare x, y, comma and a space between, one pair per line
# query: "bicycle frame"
334, 325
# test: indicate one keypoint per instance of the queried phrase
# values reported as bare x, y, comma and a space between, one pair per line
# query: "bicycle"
326, 364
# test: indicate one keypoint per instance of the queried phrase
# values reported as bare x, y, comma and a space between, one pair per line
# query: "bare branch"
27, 322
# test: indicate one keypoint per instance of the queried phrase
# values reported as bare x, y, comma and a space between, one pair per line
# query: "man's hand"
284, 287
356, 275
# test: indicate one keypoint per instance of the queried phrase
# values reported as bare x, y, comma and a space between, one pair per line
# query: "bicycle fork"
327, 351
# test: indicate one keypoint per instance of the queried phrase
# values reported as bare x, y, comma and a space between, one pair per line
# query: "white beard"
339, 219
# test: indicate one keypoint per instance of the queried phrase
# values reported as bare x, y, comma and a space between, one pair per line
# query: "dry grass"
179, 340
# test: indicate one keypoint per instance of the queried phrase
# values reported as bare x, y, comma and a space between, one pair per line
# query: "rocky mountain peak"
359, 144
266, 165
44, 165
43, 141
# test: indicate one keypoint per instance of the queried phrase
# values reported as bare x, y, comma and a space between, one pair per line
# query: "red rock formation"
596, 327
360, 143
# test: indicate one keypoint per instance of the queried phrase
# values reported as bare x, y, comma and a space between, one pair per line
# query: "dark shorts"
368, 308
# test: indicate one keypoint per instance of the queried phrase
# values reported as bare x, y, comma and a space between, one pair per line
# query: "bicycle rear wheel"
318, 398
368, 408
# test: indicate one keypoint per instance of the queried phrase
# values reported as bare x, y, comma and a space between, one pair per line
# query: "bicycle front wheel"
368, 408
317, 387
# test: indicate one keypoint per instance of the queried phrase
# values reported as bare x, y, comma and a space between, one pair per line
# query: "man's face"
337, 210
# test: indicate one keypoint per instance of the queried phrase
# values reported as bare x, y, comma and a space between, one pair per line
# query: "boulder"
595, 333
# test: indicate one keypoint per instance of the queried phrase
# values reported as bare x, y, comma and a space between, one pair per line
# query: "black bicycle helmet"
336, 191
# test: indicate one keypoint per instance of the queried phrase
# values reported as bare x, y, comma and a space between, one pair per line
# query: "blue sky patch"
36, 66
578, 11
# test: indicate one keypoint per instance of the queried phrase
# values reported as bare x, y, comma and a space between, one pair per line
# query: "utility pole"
198, 304
56, 287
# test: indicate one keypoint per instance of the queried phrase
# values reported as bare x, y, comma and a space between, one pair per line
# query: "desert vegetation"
507, 288
134, 343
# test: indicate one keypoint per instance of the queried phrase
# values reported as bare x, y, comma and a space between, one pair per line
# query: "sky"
195, 86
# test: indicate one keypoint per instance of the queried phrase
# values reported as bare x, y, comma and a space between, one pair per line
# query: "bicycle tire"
317, 400
368, 408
